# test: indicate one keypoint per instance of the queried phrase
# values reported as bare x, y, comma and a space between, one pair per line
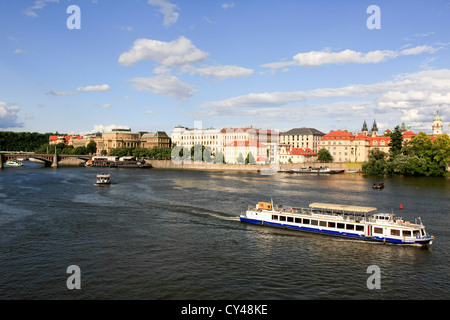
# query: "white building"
237, 151
296, 155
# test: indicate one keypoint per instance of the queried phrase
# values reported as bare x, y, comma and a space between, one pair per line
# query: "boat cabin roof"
341, 207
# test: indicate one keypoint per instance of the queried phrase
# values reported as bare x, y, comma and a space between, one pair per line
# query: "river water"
175, 235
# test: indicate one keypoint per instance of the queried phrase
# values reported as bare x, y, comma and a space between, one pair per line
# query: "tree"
377, 163
219, 157
324, 156
250, 159
91, 147
240, 159
396, 142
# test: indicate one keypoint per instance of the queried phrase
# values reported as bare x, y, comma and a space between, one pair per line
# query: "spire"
374, 126
364, 129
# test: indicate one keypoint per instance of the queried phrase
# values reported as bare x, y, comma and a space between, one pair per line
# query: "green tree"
377, 164
219, 157
396, 143
324, 156
250, 159
240, 159
91, 147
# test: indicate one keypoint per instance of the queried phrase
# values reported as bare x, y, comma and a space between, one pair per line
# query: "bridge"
50, 160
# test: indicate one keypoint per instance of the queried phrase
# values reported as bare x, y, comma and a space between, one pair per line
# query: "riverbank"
168, 164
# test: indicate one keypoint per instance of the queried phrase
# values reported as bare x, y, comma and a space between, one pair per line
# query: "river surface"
173, 234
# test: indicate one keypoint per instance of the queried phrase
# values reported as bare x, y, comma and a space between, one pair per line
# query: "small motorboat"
378, 185
14, 163
103, 179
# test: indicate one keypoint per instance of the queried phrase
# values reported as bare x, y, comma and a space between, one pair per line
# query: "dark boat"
378, 185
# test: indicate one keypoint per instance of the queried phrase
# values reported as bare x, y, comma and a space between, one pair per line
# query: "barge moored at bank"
344, 221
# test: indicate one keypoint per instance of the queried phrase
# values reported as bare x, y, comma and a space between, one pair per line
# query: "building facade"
237, 151
296, 155
302, 138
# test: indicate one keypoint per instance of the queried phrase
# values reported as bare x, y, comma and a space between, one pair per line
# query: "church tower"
374, 129
437, 124
364, 129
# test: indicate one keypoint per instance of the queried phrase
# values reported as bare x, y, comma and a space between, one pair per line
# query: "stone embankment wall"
168, 164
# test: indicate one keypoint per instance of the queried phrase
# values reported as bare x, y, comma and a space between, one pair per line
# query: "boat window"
377, 230
350, 227
274, 217
331, 225
406, 233
341, 225
359, 227
290, 219
395, 232
305, 221
282, 218
298, 220
322, 223
314, 222
416, 233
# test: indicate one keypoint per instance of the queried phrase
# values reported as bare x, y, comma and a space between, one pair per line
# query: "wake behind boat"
340, 220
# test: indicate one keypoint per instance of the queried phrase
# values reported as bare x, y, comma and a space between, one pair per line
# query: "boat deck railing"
339, 215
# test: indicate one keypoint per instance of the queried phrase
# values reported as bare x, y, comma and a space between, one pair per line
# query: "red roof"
300, 152
338, 135
409, 134
245, 144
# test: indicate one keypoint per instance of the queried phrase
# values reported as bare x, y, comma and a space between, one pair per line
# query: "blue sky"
154, 64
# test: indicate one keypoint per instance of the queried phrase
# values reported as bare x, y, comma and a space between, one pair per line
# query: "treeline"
22, 141
158, 153
61, 148
420, 156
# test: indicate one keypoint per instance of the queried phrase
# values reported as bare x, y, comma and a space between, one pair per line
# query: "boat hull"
340, 234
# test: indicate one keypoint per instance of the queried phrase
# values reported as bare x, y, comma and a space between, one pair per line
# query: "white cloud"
104, 128
106, 105
164, 85
228, 5
167, 9
318, 58
8, 115
418, 50
149, 112
99, 88
175, 53
408, 97
17, 51
219, 73
38, 5
61, 93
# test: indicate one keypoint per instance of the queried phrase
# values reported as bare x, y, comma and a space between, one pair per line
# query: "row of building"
298, 145
116, 138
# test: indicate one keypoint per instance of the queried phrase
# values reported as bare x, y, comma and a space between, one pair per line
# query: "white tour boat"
340, 220
103, 179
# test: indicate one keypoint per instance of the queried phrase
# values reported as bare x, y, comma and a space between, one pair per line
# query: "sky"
151, 65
